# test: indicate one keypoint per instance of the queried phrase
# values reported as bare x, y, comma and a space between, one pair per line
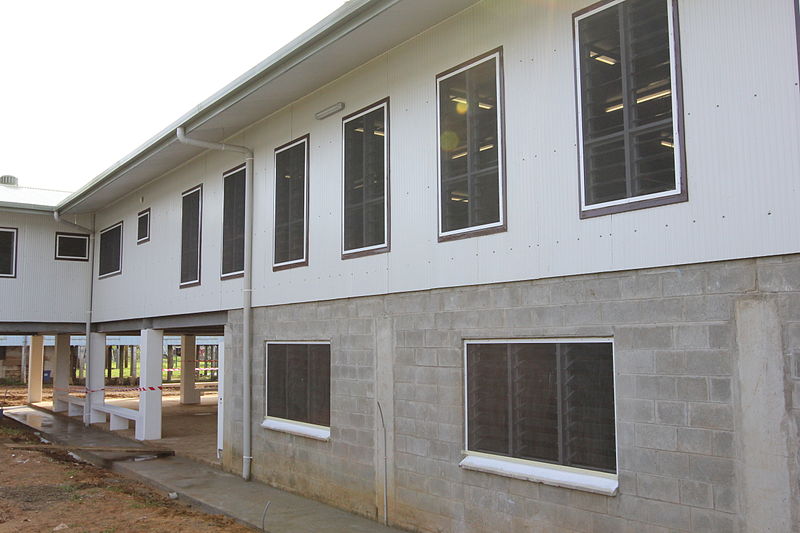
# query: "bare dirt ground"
18, 394
50, 491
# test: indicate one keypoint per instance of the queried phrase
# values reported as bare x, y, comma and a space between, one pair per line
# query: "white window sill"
297, 428
569, 478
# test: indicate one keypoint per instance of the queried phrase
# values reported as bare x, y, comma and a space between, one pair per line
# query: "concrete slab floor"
205, 486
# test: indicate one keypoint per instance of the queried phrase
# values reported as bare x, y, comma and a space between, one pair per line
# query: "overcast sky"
85, 82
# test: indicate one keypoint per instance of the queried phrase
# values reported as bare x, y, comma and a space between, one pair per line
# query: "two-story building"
498, 265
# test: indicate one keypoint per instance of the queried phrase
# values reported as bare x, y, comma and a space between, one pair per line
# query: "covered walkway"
200, 485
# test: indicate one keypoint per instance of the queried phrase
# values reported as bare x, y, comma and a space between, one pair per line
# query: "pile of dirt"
48, 490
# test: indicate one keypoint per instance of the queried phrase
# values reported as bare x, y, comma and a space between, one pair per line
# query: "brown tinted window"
626, 101
470, 146
191, 214
291, 165
143, 226
72, 247
299, 382
233, 223
111, 250
8, 252
365, 180
551, 402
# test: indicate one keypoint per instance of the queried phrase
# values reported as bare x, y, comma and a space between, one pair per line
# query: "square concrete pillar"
189, 394
61, 373
35, 367
95, 378
148, 426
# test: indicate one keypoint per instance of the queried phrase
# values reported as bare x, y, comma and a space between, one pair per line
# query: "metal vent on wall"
9, 180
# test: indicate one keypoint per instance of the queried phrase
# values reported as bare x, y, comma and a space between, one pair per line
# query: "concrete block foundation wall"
707, 362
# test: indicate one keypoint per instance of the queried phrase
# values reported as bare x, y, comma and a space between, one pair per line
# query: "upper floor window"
111, 251
291, 204
548, 401
191, 235
365, 206
8, 252
233, 223
471, 153
72, 246
629, 106
143, 226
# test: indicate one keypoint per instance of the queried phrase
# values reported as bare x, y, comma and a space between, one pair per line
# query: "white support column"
148, 426
61, 373
189, 393
95, 378
35, 367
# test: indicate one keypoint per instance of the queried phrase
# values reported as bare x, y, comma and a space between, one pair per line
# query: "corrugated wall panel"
742, 110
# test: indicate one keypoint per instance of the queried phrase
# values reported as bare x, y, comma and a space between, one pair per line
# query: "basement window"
8, 252
542, 410
291, 204
233, 223
471, 165
191, 235
299, 388
72, 246
143, 226
629, 104
365, 173
111, 251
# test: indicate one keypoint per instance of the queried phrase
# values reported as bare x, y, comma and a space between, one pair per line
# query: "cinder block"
783, 277
725, 499
724, 444
712, 469
720, 389
683, 282
720, 336
708, 363
670, 362
707, 521
634, 361
712, 416
640, 286
695, 440
658, 488
673, 464
655, 387
696, 494
656, 437
737, 278
692, 389
633, 410
671, 413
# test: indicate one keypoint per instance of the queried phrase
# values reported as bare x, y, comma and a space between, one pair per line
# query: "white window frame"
385, 244
83, 236
145, 213
501, 197
15, 232
676, 110
285, 425
306, 139
100, 248
227, 275
539, 471
196, 281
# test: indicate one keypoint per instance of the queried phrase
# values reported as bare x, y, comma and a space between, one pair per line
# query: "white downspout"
247, 289
89, 294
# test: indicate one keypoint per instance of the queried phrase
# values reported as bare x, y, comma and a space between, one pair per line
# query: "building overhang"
354, 34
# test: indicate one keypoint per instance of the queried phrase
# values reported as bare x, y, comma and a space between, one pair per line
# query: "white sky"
85, 82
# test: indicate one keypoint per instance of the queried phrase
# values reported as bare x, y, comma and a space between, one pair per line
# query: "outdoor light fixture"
328, 111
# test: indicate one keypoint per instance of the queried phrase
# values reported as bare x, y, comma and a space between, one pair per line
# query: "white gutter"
89, 294
247, 289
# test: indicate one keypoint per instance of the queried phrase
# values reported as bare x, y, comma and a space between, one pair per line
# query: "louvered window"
233, 223
72, 247
365, 209
299, 382
111, 251
191, 235
291, 201
8, 252
143, 226
630, 117
543, 401
471, 148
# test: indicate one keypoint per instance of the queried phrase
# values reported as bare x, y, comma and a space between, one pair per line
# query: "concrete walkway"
197, 484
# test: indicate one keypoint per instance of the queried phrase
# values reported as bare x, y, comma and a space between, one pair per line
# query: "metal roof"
29, 198
352, 35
